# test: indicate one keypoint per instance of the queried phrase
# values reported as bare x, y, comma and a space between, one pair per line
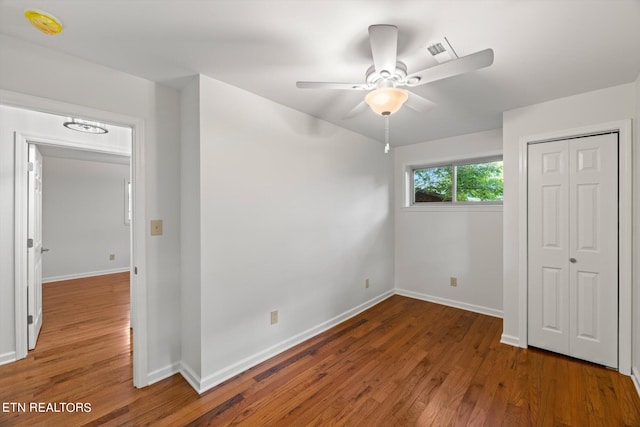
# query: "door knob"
42, 250
573, 260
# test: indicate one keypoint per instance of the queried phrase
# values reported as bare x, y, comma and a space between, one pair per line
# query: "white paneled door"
573, 247
35, 249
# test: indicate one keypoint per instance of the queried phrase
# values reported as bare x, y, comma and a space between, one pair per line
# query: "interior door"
593, 243
573, 247
548, 246
34, 258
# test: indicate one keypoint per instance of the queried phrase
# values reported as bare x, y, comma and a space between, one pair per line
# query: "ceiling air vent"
442, 51
435, 49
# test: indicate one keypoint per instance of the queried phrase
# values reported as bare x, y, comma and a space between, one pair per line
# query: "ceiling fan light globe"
386, 100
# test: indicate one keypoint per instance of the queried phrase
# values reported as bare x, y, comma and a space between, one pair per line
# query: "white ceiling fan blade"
384, 47
330, 85
472, 62
418, 103
357, 110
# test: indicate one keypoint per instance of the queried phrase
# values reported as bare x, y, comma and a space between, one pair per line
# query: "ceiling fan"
385, 78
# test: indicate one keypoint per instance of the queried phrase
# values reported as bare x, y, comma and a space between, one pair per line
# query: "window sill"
463, 207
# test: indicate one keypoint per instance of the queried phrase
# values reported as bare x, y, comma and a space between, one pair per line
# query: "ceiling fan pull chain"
386, 134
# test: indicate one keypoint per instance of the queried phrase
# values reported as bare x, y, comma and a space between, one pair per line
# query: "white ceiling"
544, 50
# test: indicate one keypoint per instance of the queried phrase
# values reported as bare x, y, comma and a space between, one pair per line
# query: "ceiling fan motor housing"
397, 78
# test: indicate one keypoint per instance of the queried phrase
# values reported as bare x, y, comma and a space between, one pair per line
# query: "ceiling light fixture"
43, 21
86, 126
386, 100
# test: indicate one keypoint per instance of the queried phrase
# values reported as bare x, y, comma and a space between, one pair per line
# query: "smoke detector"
43, 21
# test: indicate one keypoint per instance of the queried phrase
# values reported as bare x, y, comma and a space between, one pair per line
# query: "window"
127, 202
433, 184
472, 181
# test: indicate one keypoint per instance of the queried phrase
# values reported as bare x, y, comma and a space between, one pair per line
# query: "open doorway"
83, 216
81, 233
30, 132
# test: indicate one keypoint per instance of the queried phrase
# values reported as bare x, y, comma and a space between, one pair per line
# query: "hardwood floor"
402, 363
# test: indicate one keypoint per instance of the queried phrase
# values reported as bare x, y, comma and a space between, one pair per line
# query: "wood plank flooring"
402, 363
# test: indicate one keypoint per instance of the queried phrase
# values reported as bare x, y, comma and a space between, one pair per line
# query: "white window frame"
411, 194
127, 201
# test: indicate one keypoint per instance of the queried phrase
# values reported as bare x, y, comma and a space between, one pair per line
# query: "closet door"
548, 246
573, 247
593, 245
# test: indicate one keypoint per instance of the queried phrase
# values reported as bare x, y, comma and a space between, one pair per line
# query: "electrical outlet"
112, 257
156, 227
366, 283
274, 317
453, 281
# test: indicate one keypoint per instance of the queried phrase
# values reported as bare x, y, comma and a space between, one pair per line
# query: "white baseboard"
203, 384
83, 275
635, 377
162, 373
451, 303
192, 378
7, 357
510, 340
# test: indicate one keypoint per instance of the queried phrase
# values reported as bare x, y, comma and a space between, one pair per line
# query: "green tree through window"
476, 182
433, 184
480, 182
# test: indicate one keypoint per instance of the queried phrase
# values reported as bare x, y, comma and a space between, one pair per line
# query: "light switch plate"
156, 227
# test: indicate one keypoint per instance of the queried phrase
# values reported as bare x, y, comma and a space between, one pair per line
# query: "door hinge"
135, 270
30, 166
29, 243
29, 320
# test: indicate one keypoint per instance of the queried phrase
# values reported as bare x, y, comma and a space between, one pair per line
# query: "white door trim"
623, 127
20, 244
138, 253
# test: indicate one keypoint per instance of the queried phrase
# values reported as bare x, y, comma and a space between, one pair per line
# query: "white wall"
44, 73
190, 243
83, 221
295, 213
601, 106
435, 243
